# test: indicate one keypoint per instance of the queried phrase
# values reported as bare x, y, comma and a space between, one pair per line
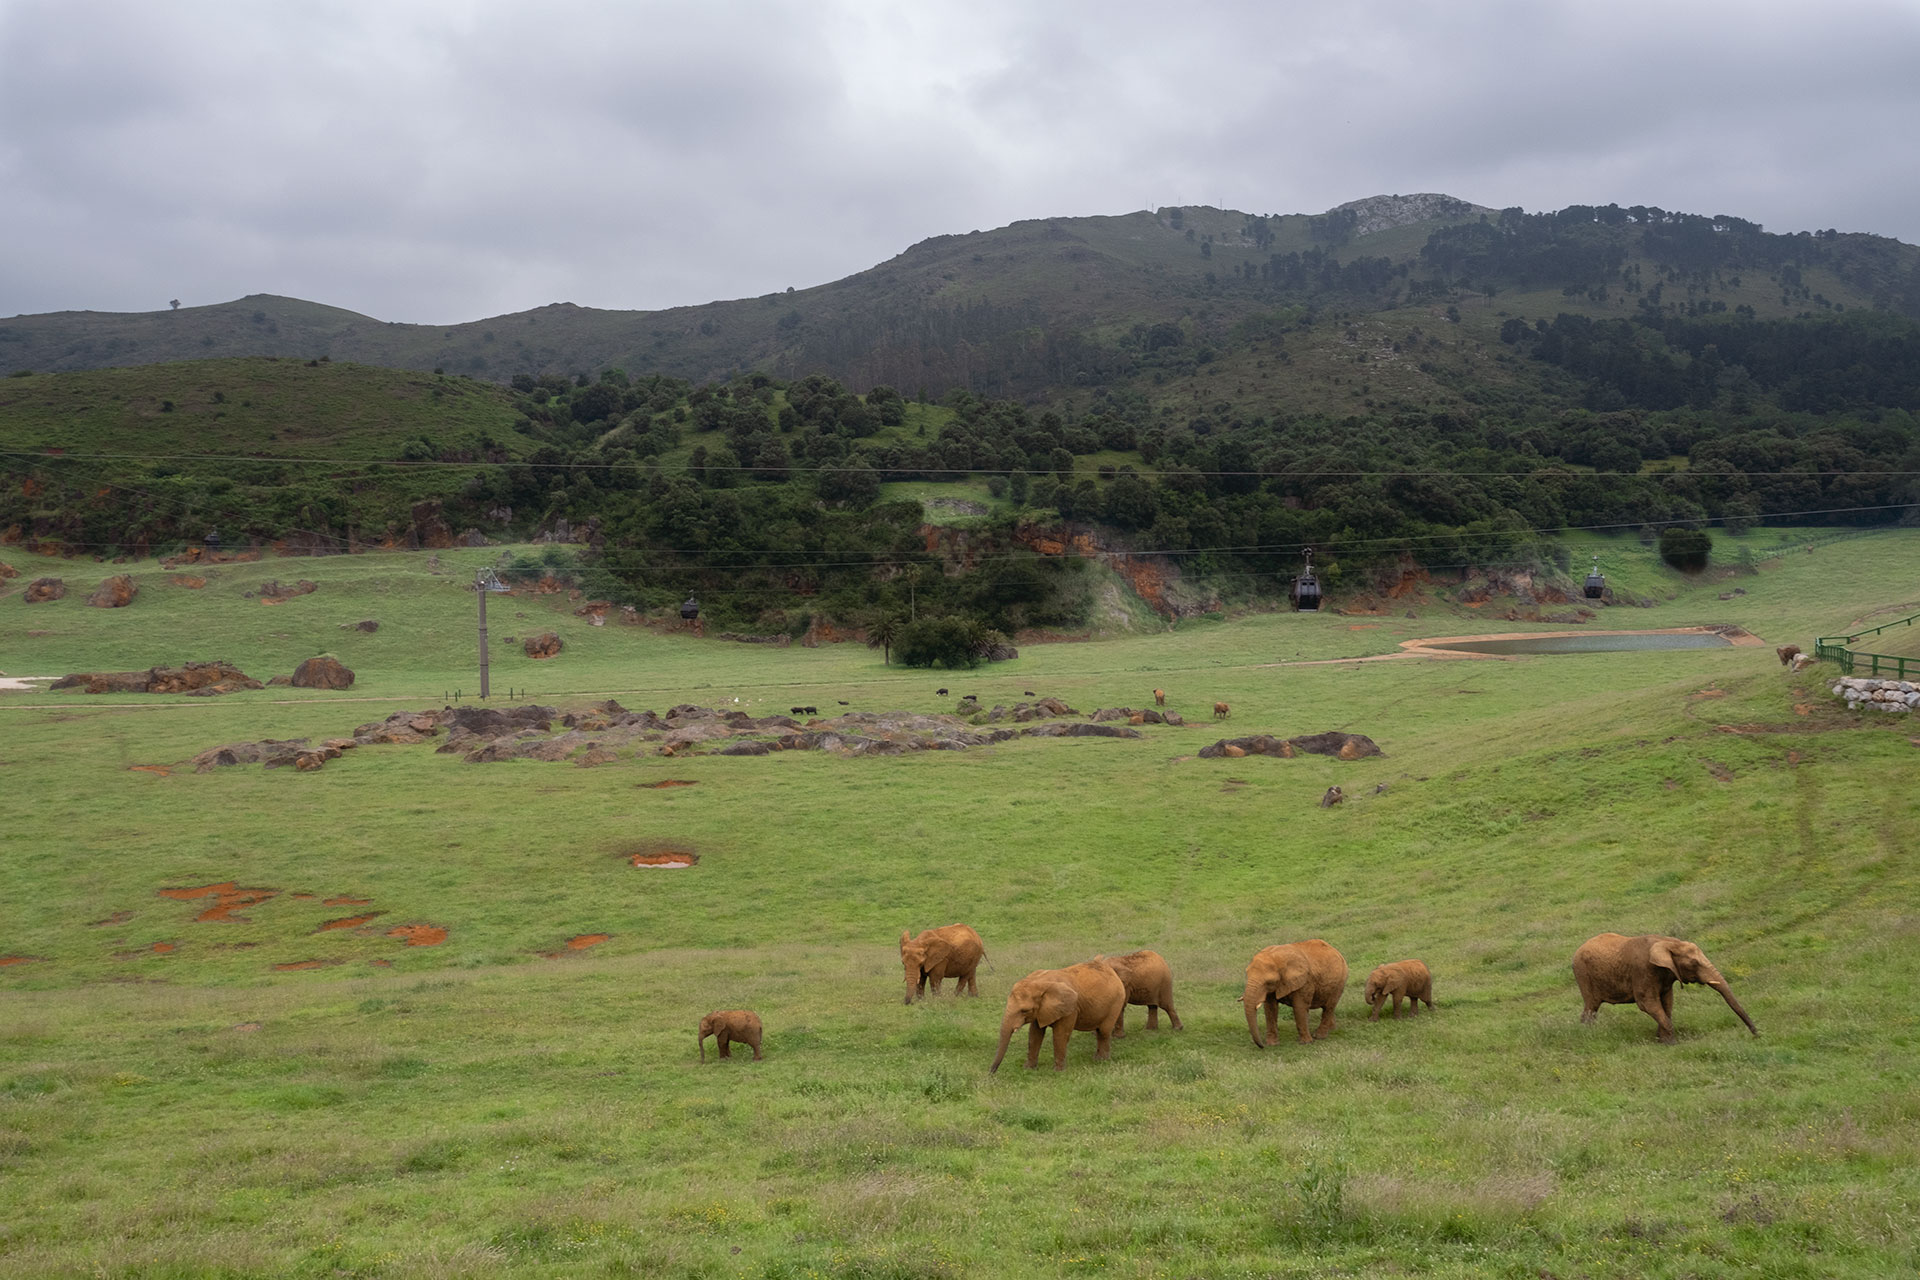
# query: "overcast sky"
437, 162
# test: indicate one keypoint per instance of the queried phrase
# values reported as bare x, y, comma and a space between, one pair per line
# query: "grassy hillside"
261, 406
478, 1108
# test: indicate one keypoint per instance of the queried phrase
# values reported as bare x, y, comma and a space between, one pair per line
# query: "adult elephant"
1149, 981
1613, 969
1080, 997
951, 951
1307, 975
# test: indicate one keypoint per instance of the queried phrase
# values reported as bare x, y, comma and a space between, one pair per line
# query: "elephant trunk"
1008, 1025
1255, 996
1726, 993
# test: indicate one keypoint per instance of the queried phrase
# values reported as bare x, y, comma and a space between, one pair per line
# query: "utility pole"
484, 583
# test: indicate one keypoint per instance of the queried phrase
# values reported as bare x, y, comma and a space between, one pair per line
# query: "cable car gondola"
1596, 581
1306, 588
689, 610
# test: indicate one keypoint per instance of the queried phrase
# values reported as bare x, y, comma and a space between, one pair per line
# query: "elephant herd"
1094, 995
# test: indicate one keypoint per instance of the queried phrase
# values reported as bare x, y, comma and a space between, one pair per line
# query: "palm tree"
884, 634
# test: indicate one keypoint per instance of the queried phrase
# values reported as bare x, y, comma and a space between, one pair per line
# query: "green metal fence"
1840, 650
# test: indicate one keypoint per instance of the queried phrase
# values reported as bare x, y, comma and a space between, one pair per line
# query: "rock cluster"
484, 735
116, 592
544, 645
277, 590
1878, 695
1344, 746
41, 590
323, 672
195, 679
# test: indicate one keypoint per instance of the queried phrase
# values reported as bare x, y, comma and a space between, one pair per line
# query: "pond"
1632, 641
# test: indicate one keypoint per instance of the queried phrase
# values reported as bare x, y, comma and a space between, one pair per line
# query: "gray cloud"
447, 161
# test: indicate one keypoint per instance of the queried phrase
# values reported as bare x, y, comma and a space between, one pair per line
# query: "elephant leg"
1173, 1018
1102, 1045
1120, 1027
938, 978
970, 985
1325, 1028
1396, 1007
1153, 1017
1062, 1032
726, 1045
755, 1042
1273, 1020
1300, 1007
1650, 1005
1666, 999
1035, 1034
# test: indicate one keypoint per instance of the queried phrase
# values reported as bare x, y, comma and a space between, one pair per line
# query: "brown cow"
1333, 797
1220, 710
1159, 697
1786, 653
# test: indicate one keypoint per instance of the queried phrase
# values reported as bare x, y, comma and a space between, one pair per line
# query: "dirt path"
1425, 646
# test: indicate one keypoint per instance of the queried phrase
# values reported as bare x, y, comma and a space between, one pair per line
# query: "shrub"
1685, 549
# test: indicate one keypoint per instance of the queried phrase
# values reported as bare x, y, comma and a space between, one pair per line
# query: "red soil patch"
580, 942
1803, 708
1365, 626
667, 782
381, 964
159, 769
342, 901
227, 895
419, 935
306, 964
1709, 693
156, 949
303, 895
348, 922
187, 580
244, 1026
6, 960
118, 917
672, 861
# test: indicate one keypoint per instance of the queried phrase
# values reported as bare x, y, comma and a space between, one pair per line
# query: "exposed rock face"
429, 529
544, 645
365, 624
196, 678
7, 571
116, 592
1383, 213
41, 590
323, 672
260, 752
1344, 746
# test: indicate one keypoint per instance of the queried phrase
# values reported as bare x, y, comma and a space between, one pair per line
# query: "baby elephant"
728, 1025
1407, 980
1148, 981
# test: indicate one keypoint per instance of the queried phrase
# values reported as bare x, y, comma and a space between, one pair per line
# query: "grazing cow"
796, 711
812, 711
939, 693
1333, 797
1220, 710
1786, 653
1159, 697
1801, 661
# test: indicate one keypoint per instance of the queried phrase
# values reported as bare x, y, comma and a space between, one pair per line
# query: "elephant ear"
1660, 955
1291, 975
1058, 1000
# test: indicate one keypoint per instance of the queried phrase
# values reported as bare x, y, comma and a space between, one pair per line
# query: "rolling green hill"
1051, 307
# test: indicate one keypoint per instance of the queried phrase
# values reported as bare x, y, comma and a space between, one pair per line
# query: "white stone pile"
1878, 695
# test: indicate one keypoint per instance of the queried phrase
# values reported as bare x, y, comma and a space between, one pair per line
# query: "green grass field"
482, 1107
